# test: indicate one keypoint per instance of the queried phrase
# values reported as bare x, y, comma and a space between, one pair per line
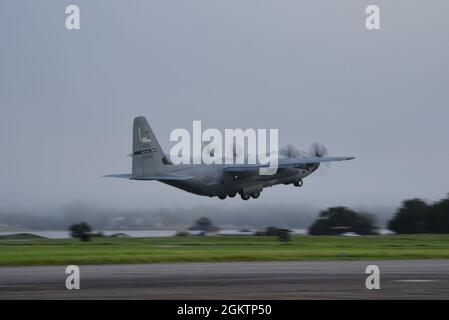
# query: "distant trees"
411, 217
417, 216
81, 231
281, 233
204, 224
271, 231
339, 220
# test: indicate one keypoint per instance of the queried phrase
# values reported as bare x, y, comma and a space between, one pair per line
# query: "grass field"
35, 251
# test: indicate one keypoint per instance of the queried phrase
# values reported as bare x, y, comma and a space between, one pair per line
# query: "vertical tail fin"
148, 157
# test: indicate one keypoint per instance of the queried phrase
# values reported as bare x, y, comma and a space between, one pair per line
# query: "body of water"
152, 233
130, 233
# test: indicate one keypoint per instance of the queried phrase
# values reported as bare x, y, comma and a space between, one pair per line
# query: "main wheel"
222, 196
232, 195
298, 183
245, 196
255, 195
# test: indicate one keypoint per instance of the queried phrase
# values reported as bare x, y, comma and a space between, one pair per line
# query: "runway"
399, 279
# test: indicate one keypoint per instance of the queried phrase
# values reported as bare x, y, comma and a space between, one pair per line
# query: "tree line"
418, 216
413, 216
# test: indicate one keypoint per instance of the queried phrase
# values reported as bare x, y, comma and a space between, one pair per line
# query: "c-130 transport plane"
222, 180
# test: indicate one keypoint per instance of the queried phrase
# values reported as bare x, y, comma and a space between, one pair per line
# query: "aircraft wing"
162, 177
118, 175
284, 163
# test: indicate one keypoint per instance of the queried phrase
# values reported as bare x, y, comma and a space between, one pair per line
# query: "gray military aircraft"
222, 180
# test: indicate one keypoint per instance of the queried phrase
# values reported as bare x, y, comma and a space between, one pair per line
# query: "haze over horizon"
68, 98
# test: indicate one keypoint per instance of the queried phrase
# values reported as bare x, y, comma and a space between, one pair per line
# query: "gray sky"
309, 68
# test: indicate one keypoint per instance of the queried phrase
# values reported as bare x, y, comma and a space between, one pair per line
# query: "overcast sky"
308, 68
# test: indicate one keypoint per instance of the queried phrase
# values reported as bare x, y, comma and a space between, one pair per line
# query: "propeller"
290, 151
318, 150
209, 148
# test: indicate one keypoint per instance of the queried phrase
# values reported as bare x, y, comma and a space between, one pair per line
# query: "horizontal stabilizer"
162, 177
166, 177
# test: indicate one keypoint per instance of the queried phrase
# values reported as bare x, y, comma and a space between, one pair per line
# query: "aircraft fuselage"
211, 180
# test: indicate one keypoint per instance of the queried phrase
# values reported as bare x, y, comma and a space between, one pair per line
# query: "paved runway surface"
403, 279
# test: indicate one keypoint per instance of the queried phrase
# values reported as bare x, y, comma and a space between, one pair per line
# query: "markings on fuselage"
146, 151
